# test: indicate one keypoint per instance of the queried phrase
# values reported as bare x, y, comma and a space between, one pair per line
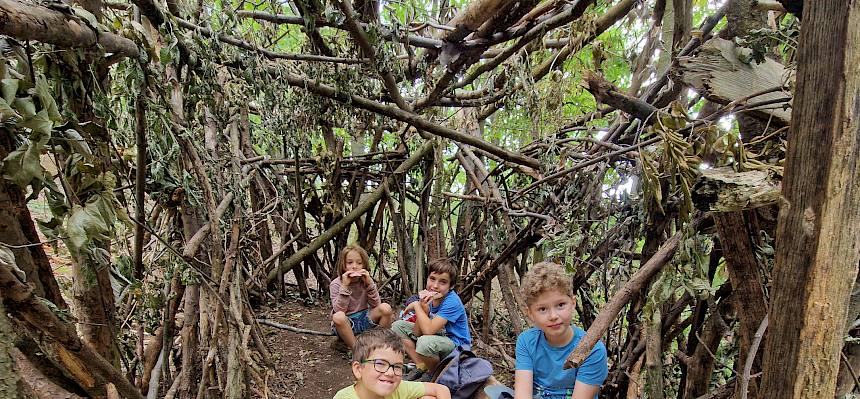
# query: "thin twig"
293, 329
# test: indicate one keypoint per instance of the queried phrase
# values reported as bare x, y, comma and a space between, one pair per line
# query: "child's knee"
385, 309
340, 318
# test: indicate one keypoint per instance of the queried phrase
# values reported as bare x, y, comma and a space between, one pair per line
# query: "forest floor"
306, 366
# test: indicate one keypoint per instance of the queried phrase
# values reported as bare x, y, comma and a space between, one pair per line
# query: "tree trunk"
819, 226
736, 232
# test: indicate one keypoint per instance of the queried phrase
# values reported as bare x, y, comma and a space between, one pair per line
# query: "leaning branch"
365, 205
28, 21
619, 300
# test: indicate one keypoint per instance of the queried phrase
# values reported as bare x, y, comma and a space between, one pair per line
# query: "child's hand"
347, 277
366, 276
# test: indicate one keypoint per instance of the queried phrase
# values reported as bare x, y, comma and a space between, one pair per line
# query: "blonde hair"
378, 338
341, 259
544, 277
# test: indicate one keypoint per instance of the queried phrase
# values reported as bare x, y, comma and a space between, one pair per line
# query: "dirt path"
306, 366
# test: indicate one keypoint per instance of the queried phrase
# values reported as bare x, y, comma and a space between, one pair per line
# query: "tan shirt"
354, 298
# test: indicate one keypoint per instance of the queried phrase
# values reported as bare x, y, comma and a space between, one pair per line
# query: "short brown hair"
377, 338
341, 259
443, 265
544, 277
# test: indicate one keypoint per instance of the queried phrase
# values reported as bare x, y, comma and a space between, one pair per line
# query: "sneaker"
415, 375
425, 377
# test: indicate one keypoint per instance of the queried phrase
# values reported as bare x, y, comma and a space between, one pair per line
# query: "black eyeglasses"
382, 366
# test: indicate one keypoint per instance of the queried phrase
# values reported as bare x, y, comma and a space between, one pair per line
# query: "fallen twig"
293, 329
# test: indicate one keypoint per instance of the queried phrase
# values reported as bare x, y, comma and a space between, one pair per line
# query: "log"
724, 190
28, 21
720, 73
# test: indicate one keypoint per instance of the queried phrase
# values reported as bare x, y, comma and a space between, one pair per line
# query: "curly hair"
377, 338
341, 259
544, 277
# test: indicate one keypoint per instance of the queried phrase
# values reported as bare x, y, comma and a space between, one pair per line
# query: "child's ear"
356, 370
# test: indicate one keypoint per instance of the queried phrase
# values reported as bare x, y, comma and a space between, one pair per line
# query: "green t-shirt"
406, 390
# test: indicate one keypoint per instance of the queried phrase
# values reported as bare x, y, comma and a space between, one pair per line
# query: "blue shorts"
360, 322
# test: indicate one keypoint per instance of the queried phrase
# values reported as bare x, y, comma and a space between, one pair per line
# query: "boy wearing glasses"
377, 364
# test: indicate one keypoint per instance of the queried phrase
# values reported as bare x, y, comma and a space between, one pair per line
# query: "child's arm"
582, 390
423, 323
523, 380
435, 391
339, 295
373, 299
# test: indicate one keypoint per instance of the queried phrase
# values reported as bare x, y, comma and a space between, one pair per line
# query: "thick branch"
28, 21
22, 304
365, 205
609, 312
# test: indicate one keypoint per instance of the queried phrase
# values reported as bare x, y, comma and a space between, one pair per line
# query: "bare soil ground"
306, 367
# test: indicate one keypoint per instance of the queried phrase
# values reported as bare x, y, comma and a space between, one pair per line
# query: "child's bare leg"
343, 328
410, 350
382, 315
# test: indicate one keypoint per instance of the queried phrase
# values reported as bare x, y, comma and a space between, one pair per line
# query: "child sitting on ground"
355, 303
377, 364
440, 321
543, 349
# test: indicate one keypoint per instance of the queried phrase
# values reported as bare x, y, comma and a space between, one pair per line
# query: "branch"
365, 205
367, 49
408, 117
555, 61
568, 15
275, 324
24, 305
28, 21
386, 33
266, 53
151, 11
639, 280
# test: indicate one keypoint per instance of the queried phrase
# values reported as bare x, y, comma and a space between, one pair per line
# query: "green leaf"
48, 103
9, 88
22, 165
41, 125
7, 114
90, 222
25, 106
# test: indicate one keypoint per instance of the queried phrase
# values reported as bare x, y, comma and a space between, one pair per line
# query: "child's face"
439, 282
371, 380
552, 311
353, 262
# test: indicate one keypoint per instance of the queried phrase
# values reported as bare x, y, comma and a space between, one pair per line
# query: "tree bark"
818, 235
28, 21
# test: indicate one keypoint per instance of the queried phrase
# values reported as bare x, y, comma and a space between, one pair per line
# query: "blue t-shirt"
457, 327
546, 362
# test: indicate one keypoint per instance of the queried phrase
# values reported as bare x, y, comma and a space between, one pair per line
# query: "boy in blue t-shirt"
542, 350
440, 321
